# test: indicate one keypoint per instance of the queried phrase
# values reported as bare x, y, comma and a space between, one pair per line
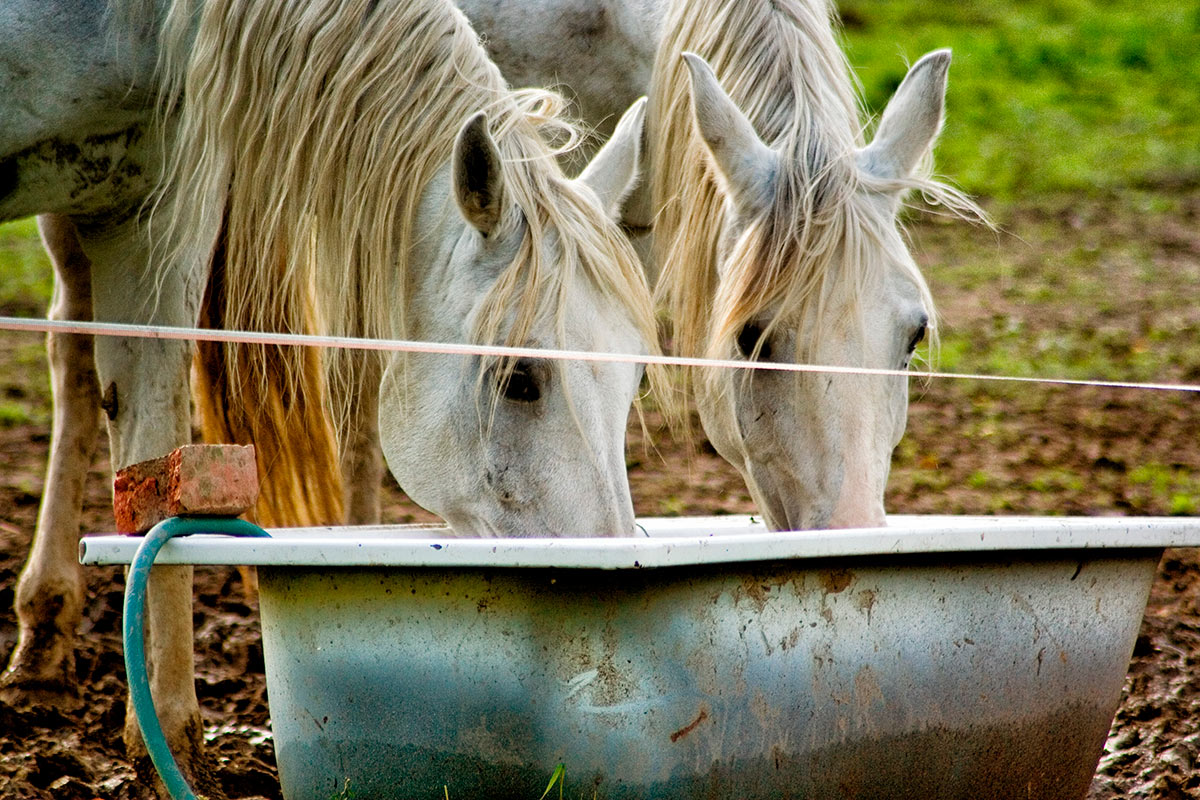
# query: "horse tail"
280, 406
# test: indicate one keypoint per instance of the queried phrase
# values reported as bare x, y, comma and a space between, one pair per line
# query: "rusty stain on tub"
866, 602
867, 690
755, 589
836, 581
691, 726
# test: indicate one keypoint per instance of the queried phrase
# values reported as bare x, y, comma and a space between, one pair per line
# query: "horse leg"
362, 464
49, 600
144, 383
361, 456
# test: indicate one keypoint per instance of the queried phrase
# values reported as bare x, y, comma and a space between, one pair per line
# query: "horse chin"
469, 526
787, 518
528, 523
860, 517
484, 521
788, 497
860, 499
786, 511
787, 507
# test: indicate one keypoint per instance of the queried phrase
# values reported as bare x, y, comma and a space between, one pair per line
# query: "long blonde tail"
282, 412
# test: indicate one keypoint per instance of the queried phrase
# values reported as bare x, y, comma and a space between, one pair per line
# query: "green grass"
1069, 354
672, 506
12, 414
1173, 487
979, 480
1063, 96
26, 279
557, 778
26, 283
1056, 480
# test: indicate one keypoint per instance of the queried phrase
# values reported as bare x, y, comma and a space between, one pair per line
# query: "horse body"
75, 145
89, 161
74, 110
88, 181
600, 52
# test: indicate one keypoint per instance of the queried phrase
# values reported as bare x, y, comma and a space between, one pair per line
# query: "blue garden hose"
133, 630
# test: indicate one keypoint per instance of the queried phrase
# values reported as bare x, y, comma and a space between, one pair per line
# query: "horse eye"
522, 385
748, 339
917, 338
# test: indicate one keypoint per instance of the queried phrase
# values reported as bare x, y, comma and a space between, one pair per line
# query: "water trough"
941, 657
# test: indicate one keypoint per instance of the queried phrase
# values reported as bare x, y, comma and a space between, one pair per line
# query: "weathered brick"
214, 479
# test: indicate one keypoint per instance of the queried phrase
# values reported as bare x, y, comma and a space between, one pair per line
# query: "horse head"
812, 268
521, 446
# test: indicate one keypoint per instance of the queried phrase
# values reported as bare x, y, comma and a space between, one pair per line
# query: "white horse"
777, 231
774, 225
382, 180
599, 52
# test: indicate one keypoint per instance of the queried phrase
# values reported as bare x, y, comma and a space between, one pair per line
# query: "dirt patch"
970, 448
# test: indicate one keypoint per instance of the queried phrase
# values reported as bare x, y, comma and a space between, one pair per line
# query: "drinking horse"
338, 167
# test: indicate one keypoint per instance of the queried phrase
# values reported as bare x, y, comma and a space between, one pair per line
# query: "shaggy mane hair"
824, 234
302, 138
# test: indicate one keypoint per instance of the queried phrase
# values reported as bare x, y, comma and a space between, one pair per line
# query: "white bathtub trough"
965, 657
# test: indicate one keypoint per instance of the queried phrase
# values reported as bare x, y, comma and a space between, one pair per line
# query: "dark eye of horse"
522, 385
747, 340
917, 338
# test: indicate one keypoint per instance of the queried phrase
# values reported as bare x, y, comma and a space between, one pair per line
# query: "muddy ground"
970, 448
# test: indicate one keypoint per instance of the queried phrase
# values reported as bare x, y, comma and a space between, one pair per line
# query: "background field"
1077, 126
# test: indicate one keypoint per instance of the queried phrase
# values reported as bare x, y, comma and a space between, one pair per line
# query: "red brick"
196, 479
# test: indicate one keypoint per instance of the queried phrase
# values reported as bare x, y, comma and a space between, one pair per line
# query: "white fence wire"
29, 325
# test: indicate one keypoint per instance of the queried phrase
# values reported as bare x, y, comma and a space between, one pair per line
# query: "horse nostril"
496, 484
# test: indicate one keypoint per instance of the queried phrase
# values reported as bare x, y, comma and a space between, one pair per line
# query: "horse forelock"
809, 257
825, 236
314, 128
781, 64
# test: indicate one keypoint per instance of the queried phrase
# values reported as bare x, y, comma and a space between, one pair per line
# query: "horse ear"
745, 166
912, 120
613, 172
478, 184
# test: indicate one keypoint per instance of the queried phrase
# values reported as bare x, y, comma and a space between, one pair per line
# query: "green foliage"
672, 506
1184, 505
26, 279
1056, 480
559, 777
1063, 353
1175, 486
979, 479
13, 414
1047, 97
